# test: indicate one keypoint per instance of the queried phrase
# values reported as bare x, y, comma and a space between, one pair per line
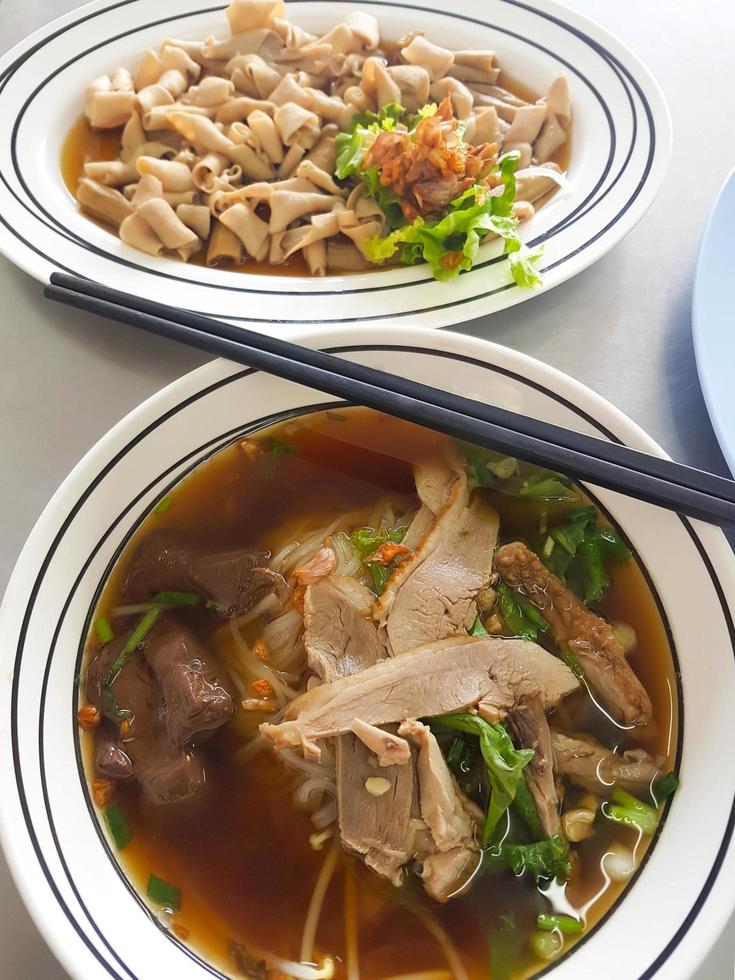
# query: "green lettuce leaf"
545, 859
450, 245
505, 763
350, 149
352, 145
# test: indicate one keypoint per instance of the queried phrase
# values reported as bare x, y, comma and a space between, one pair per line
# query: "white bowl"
621, 144
671, 913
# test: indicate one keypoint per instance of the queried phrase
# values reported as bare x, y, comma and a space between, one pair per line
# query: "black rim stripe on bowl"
728, 833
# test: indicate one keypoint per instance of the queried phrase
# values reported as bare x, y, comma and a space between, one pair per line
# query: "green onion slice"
176, 598
134, 640
163, 893
118, 825
564, 923
163, 505
103, 630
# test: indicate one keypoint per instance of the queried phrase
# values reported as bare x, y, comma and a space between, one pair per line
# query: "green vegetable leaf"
526, 809
571, 661
386, 199
380, 575
631, 812
505, 763
506, 169
520, 617
477, 628
350, 149
366, 540
163, 893
505, 942
278, 448
118, 825
523, 262
131, 645
487, 468
548, 486
594, 574
665, 787
163, 505
611, 544
564, 923
456, 754
176, 598
545, 859
103, 629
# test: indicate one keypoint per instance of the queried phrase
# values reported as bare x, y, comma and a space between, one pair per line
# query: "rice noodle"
321, 784
256, 669
541, 171
348, 561
325, 816
267, 604
301, 971
312, 769
311, 922
425, 975
282, 637
250, 749
350, 905
132, 610
433, 926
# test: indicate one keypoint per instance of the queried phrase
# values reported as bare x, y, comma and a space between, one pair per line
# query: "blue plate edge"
725, 438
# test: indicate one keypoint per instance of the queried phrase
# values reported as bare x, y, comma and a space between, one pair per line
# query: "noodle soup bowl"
62, 855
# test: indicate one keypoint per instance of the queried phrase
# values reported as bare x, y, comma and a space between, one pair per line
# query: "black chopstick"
402, 398
631, 459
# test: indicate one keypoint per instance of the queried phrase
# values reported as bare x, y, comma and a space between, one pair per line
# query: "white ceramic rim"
618, 162
697, 931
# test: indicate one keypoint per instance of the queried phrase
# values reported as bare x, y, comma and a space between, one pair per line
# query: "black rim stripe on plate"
122, 453
613, 62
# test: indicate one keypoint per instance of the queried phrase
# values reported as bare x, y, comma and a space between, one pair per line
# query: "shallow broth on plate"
245, 857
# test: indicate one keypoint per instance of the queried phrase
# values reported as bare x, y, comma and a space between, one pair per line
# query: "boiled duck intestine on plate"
227, 145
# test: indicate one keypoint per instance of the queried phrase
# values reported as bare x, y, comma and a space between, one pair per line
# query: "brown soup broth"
242, 857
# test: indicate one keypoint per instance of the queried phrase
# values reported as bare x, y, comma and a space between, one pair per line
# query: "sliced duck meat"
196, 700
593, 767
530, 730
388, 748
444, 495
111, 760
449, 854
446, 874
588, 636
231, 580
447, 675
437, 598
448, 814
340, 638
375, 808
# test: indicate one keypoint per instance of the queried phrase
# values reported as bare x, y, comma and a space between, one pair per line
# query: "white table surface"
622, 327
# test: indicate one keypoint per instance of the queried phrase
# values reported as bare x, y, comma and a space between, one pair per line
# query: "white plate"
620, 150
671, 913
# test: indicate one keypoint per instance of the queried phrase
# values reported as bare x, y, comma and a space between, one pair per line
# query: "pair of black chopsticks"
658, 481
